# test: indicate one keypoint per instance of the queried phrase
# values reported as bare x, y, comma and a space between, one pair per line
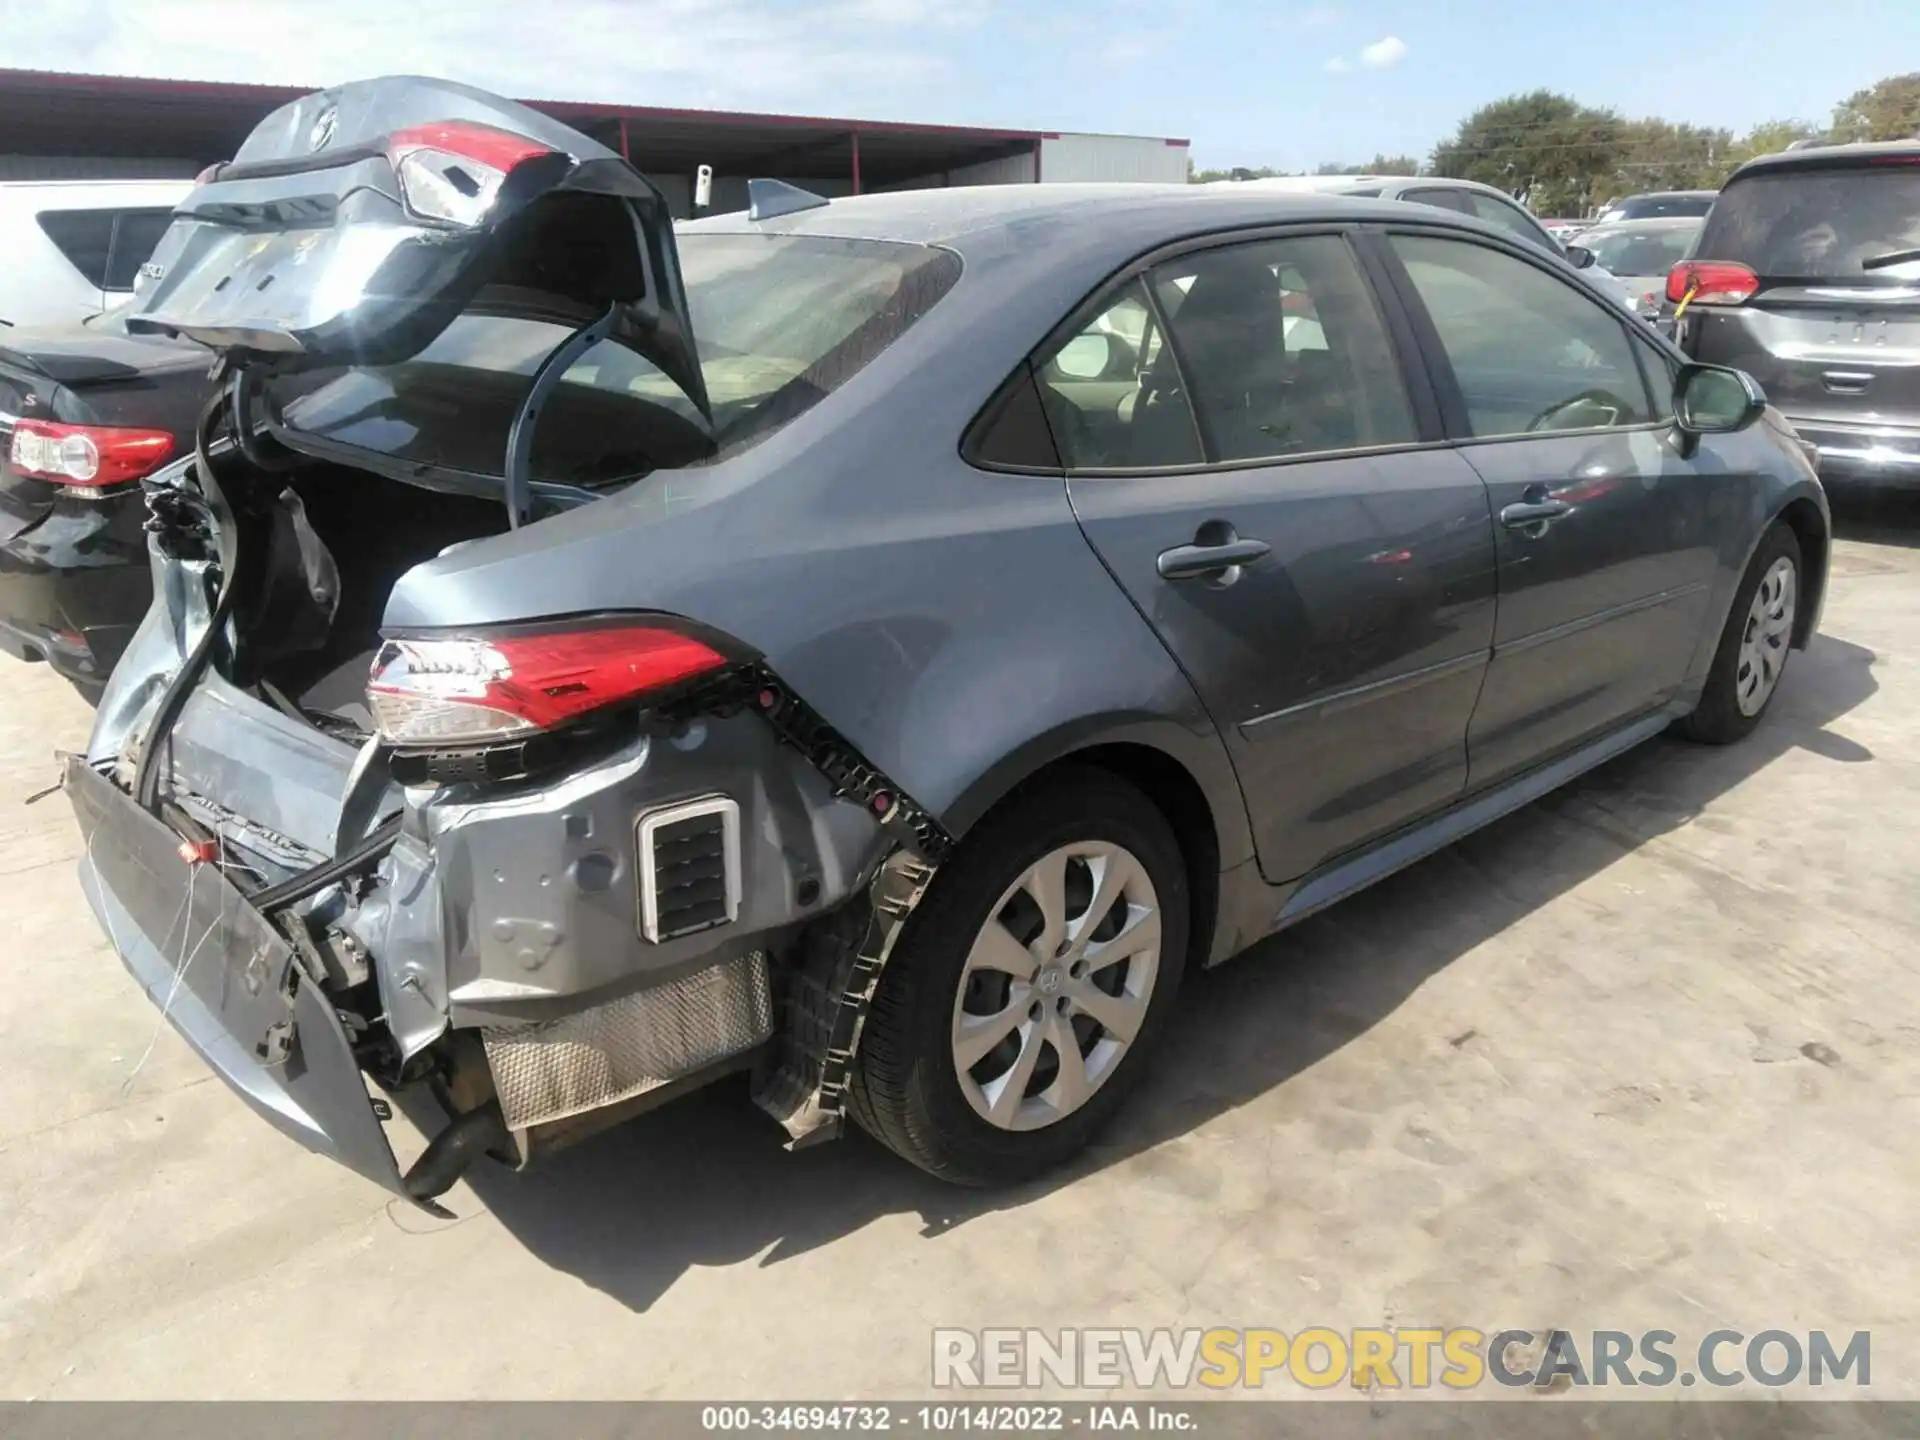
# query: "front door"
1605, 529
1266, 495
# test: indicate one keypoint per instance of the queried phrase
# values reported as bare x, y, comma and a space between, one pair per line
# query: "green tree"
1889, 110
1379, 165
1548, 146
1238, 172
1770, 137
1660, 155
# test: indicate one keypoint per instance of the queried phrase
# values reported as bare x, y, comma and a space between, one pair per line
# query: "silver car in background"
1639, 253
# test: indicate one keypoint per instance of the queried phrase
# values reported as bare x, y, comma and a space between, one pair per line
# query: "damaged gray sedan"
879, 645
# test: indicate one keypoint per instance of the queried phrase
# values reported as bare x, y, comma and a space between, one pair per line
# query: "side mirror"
1714, 400
1579, 256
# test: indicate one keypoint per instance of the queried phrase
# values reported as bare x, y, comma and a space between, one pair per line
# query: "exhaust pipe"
467, 1137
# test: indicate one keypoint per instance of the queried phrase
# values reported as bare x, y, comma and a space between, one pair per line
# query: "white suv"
71, 248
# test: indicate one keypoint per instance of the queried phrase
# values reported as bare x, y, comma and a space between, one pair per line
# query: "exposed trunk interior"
326, 544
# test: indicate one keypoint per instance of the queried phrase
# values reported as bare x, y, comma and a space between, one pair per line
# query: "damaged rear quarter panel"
952, 624
536, 893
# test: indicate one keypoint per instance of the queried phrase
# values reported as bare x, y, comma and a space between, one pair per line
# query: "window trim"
1440, 364
1422, 393
120, 218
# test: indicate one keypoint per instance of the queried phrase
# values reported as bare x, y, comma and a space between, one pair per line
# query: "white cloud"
833, 55
1338, 65
1383, 53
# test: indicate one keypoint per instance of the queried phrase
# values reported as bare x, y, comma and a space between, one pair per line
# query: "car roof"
1650, 224
1346, 184
93, 194
77, 186
1667, 195
1819, 157
1140, 214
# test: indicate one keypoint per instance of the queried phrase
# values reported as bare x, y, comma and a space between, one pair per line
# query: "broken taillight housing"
473, 690
452, 170
86, 455
1711, 282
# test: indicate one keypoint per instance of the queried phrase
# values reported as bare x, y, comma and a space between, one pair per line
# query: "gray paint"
963, 628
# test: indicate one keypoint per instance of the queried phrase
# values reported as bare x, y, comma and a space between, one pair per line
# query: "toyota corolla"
881, 645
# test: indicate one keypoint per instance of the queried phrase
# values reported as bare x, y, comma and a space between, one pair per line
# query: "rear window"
107, 247
135, 233
781, 322
1641, 252
1659, 207
1818, 224
85, 237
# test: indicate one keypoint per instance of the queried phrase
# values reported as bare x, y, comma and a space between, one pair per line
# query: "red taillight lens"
475, 689
1711, 282
87, 455
452, 169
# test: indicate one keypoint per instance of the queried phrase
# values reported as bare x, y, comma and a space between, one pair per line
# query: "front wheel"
1753, 648
1021, 1002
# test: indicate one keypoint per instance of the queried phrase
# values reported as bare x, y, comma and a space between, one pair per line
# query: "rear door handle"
1191, 562
1846, 382
1533, 512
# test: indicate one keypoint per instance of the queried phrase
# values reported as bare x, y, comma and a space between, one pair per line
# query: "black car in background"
85, 413
1807, 277
1657, 205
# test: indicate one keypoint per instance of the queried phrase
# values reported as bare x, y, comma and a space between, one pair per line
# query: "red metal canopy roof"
59, 114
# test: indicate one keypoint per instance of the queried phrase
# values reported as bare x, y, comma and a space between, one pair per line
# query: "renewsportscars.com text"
1460, 1358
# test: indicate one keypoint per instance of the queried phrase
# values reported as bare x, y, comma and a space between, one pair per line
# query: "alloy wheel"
1056, 985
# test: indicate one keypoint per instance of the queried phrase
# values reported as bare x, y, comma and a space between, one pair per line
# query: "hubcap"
1057, 985
1769, 632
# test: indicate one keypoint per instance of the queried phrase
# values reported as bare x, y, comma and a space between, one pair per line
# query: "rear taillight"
1710, 282
476, 689
452, 170
86, 455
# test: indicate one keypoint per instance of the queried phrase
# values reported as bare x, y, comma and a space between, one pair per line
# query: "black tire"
1718, 719
906, 1092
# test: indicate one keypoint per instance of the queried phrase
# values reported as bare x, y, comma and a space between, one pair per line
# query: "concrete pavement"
1644, 1055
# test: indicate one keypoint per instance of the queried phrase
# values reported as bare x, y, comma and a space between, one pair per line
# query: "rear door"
1273, 496
1605, 530
1831, 342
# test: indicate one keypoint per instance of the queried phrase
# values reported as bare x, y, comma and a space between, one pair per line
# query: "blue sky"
1288, 83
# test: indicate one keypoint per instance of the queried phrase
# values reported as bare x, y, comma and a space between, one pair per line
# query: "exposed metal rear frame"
648, 880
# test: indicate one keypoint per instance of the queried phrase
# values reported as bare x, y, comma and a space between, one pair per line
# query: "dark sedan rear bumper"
1879, 454
74, 584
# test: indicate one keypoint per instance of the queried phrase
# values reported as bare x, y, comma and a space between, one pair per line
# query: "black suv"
1807, 277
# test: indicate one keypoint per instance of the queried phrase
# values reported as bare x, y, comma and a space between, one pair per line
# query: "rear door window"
1818, 224
1512, 219
1113, 395
1442, 196
84, 237
1283, 349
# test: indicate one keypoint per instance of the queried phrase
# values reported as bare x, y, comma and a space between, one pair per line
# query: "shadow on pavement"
705, 1182
1879, 514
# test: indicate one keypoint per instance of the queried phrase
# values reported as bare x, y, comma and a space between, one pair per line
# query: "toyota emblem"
322, 130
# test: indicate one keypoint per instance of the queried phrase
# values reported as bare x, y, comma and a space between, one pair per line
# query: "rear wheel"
1754, 647
1029, 985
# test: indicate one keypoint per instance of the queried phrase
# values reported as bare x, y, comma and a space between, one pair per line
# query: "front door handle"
1528, 514
1193, 562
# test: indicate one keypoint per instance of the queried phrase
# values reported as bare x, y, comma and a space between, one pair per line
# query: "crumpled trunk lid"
355, 223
